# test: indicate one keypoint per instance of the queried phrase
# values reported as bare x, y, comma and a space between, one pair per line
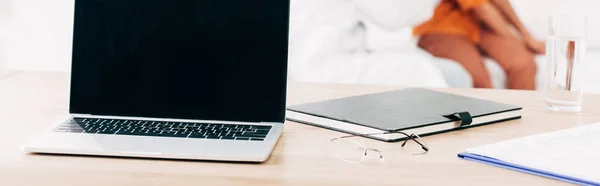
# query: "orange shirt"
453, 17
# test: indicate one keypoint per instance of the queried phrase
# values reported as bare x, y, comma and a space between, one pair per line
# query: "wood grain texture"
303, 156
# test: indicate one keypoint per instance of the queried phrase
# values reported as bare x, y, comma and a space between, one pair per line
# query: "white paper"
572, 152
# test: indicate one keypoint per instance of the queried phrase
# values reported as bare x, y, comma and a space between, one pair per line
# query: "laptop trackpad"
131, 144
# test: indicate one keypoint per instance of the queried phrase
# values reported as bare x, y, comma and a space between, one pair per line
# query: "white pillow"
400, 40
389, 22
394, 14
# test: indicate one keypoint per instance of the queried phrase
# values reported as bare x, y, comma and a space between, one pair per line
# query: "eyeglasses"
349, 149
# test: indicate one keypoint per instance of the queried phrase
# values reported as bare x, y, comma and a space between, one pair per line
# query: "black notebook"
415, 110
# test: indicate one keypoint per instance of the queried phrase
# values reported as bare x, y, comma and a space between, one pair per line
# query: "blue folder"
507, 165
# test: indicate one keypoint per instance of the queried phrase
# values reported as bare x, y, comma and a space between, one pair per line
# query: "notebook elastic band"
465, 117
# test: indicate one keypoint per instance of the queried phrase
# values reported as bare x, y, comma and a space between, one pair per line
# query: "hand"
537, 47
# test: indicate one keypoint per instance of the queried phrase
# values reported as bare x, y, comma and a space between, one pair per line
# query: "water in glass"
565, 58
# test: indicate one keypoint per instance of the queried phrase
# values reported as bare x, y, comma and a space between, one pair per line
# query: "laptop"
197, 80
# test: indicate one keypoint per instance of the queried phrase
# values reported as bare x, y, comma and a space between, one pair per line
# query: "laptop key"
228, 137
257, 139
252, 135
153, 133
261, 127
167, 133
106, 132
235, 133
181, 134
177, 135
262, 132
197, 136
242, 138
125, 132
213, 137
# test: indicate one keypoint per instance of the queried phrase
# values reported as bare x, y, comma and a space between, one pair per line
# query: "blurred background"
332, 41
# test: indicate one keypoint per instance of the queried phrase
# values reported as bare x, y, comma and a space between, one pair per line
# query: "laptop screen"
183, 59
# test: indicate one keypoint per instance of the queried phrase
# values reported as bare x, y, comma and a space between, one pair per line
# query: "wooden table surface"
303, 155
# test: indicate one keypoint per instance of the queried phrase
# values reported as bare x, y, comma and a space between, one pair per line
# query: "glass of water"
565, 52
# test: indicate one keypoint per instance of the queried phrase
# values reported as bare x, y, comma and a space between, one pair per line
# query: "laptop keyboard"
165, 129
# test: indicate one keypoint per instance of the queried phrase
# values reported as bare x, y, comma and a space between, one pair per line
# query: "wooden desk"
302, 157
